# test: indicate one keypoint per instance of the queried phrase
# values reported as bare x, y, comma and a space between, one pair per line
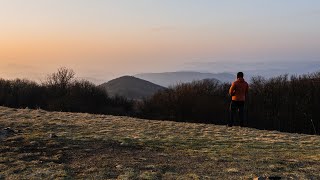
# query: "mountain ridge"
167, 79
131, 87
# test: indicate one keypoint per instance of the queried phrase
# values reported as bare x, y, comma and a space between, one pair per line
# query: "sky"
102, 39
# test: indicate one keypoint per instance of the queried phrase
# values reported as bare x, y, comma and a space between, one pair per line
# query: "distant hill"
131, 87
266, 68
171, 78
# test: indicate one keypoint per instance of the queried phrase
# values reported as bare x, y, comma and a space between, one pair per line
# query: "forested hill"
131, 87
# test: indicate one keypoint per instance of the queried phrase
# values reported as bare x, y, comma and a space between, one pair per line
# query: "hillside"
56, 145
131, 87
173, 78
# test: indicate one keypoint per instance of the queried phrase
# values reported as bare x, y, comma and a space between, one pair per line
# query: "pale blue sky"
154, 35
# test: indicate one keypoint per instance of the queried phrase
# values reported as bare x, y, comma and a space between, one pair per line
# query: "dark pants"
234, 107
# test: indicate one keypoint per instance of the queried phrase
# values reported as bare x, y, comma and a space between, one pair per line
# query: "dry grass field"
56, 145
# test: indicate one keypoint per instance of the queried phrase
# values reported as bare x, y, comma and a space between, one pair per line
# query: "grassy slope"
108, 147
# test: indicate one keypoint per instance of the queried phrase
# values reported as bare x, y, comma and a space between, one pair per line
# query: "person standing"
238, 91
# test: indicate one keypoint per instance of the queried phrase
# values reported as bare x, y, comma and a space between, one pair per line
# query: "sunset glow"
126, 37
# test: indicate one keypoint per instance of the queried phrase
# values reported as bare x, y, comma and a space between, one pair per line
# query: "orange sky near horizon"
126, 37
32, 48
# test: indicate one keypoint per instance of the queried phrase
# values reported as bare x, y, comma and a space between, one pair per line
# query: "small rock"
6, 132
119, 166
52, 136
9, 130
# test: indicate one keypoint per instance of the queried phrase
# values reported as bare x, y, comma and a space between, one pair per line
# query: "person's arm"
232, 90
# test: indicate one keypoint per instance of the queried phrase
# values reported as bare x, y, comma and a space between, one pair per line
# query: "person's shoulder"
233, 83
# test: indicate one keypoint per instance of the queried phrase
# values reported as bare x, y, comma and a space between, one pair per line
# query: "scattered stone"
52, 136
232, 170
119, 166
124, 144
6, 132
9, 130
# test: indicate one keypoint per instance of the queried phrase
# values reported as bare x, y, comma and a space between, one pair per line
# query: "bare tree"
62, 78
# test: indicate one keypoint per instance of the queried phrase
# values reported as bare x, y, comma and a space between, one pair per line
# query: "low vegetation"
283, 103
57, 145
61, 91
287, 104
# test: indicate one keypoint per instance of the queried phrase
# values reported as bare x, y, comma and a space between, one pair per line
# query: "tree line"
289, 104
284, 103
61, 91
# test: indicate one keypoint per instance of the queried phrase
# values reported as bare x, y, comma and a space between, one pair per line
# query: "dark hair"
240, 75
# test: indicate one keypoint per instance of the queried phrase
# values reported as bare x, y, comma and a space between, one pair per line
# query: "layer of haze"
102, 39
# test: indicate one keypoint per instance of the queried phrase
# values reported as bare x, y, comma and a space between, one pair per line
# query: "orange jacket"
239, 90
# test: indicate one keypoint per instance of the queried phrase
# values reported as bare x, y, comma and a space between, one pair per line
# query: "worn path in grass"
108, 147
